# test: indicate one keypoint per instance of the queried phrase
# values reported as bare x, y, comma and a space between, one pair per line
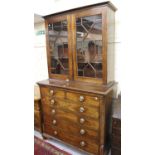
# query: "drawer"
74, 107
71, 117
50, 92
75, 129
116, 123
80, 142
82, 98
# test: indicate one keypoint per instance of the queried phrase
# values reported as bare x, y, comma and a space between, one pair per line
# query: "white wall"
53, 6
41, 71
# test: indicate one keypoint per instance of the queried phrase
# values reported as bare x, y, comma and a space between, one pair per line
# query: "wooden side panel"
37, 120
105, 123
37, 115
108, 117
104, 45
110, 45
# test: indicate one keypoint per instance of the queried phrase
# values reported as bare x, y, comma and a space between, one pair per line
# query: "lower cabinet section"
76, 118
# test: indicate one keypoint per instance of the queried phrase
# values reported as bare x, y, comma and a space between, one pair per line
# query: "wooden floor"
62, 146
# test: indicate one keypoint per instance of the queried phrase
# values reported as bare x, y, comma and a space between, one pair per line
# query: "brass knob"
53, 111
82, 109
96, 98
55, 132
82, 120
82, 143
82, 131
52, 92
67, 80
52, 102
54, 122
81, 98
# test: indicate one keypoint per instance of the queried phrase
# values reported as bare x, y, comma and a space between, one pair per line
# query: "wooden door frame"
53, 19
90, 12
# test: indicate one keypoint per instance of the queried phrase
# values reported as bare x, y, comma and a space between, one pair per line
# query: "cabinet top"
79, 86
107, 3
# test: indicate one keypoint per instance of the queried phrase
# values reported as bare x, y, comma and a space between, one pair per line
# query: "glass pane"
58, 45
89, 46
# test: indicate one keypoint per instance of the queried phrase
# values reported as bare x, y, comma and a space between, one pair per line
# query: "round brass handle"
54, 122
53, 111
55, 132
67, 80
82, 120
96, 98
82, 109
52, 92
52, 102
81, 98
82, 143
82, 131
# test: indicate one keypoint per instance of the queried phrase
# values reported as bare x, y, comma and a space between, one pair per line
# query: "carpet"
43, 148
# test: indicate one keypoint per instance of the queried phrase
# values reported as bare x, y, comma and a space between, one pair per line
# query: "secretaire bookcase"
76, 99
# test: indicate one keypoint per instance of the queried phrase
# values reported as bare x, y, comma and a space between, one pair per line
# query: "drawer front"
71, 117
80, 142
50, 92
74, 107
74, 129
84, 99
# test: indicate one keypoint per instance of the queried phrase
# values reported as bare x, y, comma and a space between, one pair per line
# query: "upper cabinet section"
79, 44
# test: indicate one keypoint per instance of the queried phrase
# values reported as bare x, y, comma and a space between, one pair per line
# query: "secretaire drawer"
50, 92
83, 98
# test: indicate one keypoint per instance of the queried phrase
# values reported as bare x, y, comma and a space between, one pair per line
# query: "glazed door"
88, 45
58, 47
